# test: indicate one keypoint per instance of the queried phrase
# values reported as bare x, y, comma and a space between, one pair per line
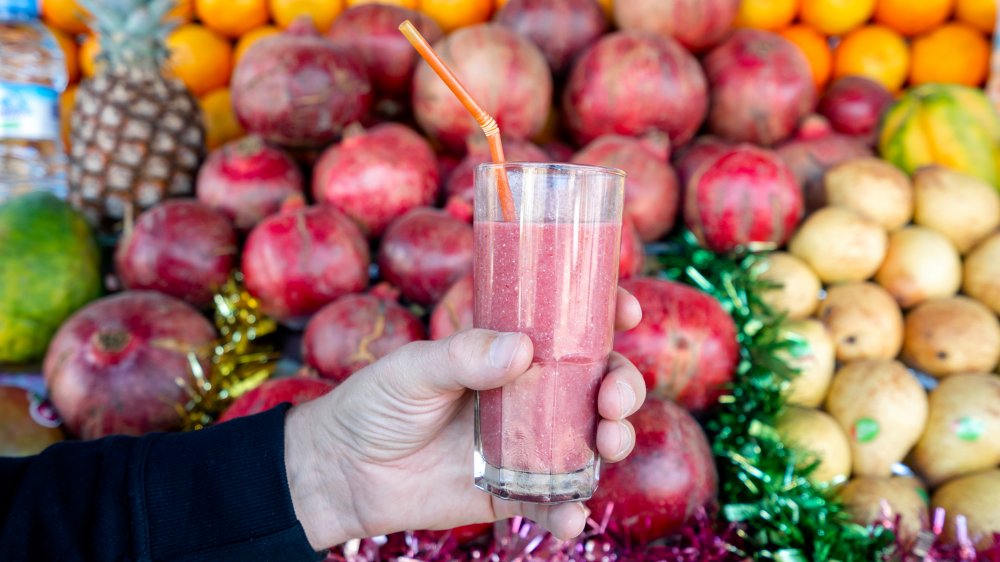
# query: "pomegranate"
632, 255
112, 367
179, 247
354, 331
813, 150
702, 150
453, 313
632, 83
651, 193
298, 89
503, 71
747, 196
377, 175
21, 434
761, 87
558, 151
560, 28
303, 258
295, 390
855, 105
372, 31
667, 478
463, 535
462, 181
696, 24
248, 180
424, 253
685, 345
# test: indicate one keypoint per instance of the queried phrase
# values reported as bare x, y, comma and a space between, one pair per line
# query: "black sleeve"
216, 495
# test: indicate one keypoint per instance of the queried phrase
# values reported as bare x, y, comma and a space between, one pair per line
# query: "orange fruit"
69, 49
836, 17
183, 11
411, 4
87, 55
252, 37
232, 18
981, 14
954, 53
322, 12
452, 14
874, 51
913, 17
201, 58
816, 49
65, 15
66, 100
771, 15
607, 5
221, 125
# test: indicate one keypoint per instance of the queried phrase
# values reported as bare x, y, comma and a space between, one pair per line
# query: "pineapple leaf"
132, 33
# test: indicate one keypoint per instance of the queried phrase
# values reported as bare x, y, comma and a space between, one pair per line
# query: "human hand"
391, 448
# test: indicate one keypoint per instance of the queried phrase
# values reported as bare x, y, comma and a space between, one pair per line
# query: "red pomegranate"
748, 196
855, 105
21, 434
294, 390
424, 252
303, 258
633, 83
702, 150
696, 24
761, 87
112, 367
298, 89
372, 31
453, 313
463, 535
686, 344
651, 192
632, 255
462, 181
248, 180
561, 29
503, 71
813, 150
354, 331
377, 175
667, 478
180, 248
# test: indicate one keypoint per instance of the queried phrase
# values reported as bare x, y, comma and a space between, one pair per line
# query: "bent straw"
486, 122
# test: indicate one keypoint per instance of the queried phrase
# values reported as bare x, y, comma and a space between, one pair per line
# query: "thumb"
476, 359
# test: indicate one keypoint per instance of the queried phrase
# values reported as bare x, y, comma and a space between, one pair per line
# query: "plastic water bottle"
32, 74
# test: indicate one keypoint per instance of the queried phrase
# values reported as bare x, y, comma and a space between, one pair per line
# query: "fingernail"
624, 440
626, 397
504, 349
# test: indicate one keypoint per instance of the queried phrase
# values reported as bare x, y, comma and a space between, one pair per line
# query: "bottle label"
19, 9
28, 112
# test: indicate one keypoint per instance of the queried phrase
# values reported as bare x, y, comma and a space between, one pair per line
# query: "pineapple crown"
132, 33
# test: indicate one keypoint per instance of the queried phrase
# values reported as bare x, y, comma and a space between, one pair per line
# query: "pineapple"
137, 133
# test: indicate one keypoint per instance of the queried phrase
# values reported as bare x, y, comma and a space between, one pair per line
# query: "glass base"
516, 485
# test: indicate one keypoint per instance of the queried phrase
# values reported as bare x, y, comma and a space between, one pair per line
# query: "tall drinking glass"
552, 274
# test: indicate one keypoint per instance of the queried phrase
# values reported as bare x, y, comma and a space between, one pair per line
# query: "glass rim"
562, 166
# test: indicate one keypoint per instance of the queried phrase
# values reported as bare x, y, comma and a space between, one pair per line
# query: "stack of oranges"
895, 42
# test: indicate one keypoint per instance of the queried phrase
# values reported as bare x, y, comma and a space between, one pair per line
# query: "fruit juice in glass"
552, 273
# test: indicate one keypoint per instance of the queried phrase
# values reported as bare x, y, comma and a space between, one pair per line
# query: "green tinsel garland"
763, 483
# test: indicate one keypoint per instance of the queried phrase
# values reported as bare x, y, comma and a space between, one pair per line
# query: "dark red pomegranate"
462, 181
424, 253
561, 29
372, 31
298, 89
112, 367
855, 105
303, 258
453, 313
632, 254
761, 87
558, 151
686, 344
248, 180
180, 248
702, 150
632, 83
354, 331
503, 71
294, 390
748, 196
696, 24
669, 476
651, 191
21, 433
813, 150
377, 175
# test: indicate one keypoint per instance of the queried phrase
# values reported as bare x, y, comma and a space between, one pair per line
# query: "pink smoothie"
560, 290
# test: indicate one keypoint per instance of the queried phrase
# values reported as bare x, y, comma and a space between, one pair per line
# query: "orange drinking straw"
486, 122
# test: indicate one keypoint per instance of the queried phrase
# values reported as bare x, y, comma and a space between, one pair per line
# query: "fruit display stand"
262, 204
